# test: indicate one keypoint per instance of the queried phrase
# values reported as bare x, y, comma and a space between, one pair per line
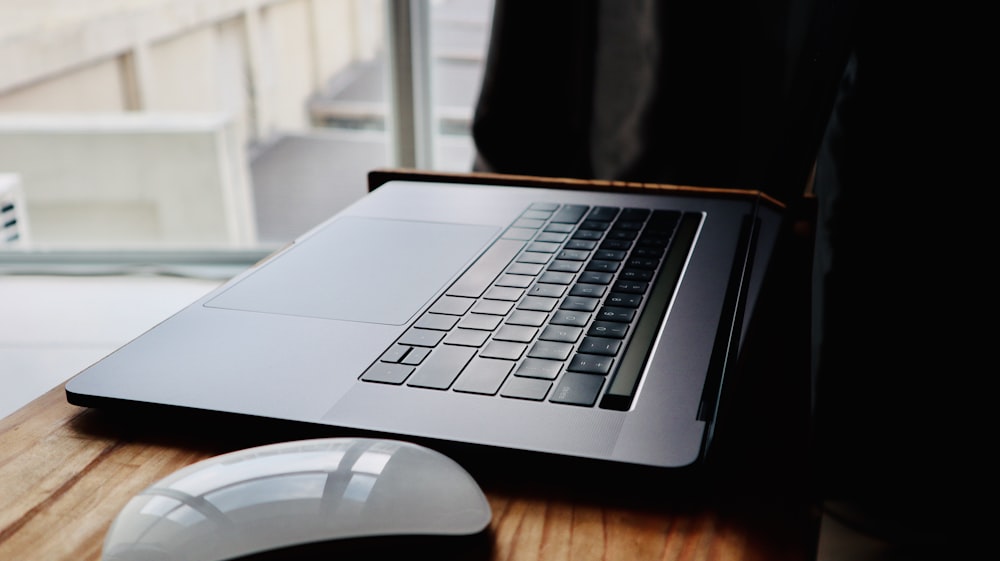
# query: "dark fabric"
898, 258
699, 93
752, 94
534, 109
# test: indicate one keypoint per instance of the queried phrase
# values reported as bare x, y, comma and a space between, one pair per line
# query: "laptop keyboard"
562, 308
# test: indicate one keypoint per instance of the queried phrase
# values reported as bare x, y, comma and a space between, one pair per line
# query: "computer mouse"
292, 500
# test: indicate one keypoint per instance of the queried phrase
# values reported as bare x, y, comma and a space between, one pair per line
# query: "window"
160, 128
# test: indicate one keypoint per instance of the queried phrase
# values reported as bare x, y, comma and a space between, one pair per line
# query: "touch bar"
622, 389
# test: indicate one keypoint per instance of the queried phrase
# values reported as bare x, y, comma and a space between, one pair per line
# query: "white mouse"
286, 498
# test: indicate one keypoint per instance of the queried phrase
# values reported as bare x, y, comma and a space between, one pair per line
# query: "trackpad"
360, 269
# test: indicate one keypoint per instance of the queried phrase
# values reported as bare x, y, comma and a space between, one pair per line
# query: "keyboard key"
492, 307
588, 235
628, 225
483, 376
442, 367
651, 252
439, 322
643, 263
573, 255
592, 277
548, 207
530, 269
591, 224
568, 317
622, 235
608, 329
561, 333
516, 333
538, 303
537, 214
624, 300
580, 304
539, 368
599, 266
600, 346
555, 277
416, 355
638, 214
616, 245
526, 388
395, 353
503, 349
658, 242
578, 389
560, 228
613, 313
532, 223
534, 257
665, 219
570, 214
451, 305
585, 245
504, 293
631, 287
551, 350
610, 254
589, 290
590, 364
605, 213
467, 337
554, 237
421, 337
548, 290
480, 321
543, 247
387, 373
565, 266
527, 317
640, 275
514, 281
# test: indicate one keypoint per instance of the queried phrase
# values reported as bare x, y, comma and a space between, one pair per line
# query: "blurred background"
222, 124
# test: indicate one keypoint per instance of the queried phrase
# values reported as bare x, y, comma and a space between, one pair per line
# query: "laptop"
575, 319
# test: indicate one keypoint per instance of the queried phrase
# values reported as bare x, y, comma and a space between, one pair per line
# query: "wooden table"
65, 471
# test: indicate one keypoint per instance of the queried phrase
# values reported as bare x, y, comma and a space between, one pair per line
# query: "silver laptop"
577, 322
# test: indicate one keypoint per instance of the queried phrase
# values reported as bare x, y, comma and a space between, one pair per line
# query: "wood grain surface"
65, 472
